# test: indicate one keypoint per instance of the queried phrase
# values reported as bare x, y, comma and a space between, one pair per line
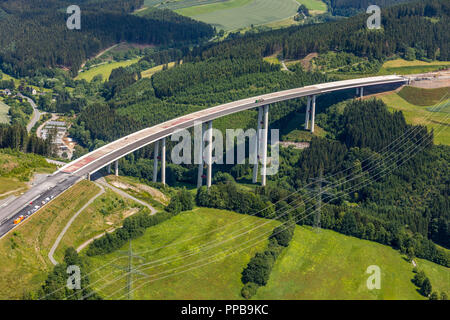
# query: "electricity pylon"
318, 191
130, 269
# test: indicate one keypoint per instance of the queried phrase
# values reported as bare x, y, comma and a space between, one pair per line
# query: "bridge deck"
123, 146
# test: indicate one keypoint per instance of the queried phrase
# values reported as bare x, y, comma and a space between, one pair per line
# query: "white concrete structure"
115, 150
209, 135
257, 144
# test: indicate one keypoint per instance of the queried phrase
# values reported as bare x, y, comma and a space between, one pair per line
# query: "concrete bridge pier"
108, 168
264, 146
256, 149
155, 161
163, 161
361, 91
357, 91
308, 112
200, 155
116, 168
313, 113
209, 155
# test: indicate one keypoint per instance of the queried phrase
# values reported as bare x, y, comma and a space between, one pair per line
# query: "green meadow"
177, 264
424, 111
329, 265
104, 69
237, 14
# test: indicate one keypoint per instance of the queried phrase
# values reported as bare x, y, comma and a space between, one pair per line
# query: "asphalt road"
36, 113
52, 187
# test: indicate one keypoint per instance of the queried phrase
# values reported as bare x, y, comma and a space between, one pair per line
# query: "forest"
403, 26
352, 7
34, 35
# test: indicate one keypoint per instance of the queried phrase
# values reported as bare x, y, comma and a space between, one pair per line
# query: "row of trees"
257, 271
16, 137
133, 227
425, 288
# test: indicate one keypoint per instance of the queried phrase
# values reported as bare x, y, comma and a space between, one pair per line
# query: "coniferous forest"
34, 35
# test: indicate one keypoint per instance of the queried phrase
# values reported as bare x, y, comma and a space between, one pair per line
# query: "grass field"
17, 168
415, 114
4, 117
328, 265
150, 72
23, 252
218, 280
104, 70
104, 214
325, 265
237, 14
400, 66
424, 97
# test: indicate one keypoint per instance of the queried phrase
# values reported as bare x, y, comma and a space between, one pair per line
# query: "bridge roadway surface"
90, 163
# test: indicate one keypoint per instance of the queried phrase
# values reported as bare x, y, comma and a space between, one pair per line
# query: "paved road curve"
36, 113
67, 226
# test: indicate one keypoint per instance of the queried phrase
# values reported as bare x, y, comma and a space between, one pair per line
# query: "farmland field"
104, 70
433, 117
150, 72
236, 14
400, 66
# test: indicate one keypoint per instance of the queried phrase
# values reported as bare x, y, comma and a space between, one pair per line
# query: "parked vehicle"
19, 220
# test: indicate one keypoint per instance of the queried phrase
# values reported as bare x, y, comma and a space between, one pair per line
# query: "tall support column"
163, 161
264, 146
116, 168
155, 161
313, 114
200, 166
361, 90
209, 155
108, 168
257, 147
88, 177
357, 91
308, 112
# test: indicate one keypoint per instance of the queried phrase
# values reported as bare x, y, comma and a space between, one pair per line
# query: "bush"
229, 196
259, 268
249, 290
284, 233
434, 296
223, 177
183, 201
174, 205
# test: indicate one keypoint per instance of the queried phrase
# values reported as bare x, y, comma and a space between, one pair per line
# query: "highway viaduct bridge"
112, 152
109, 154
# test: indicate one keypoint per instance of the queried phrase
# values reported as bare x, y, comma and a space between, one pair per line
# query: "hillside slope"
329, 265
325, 265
